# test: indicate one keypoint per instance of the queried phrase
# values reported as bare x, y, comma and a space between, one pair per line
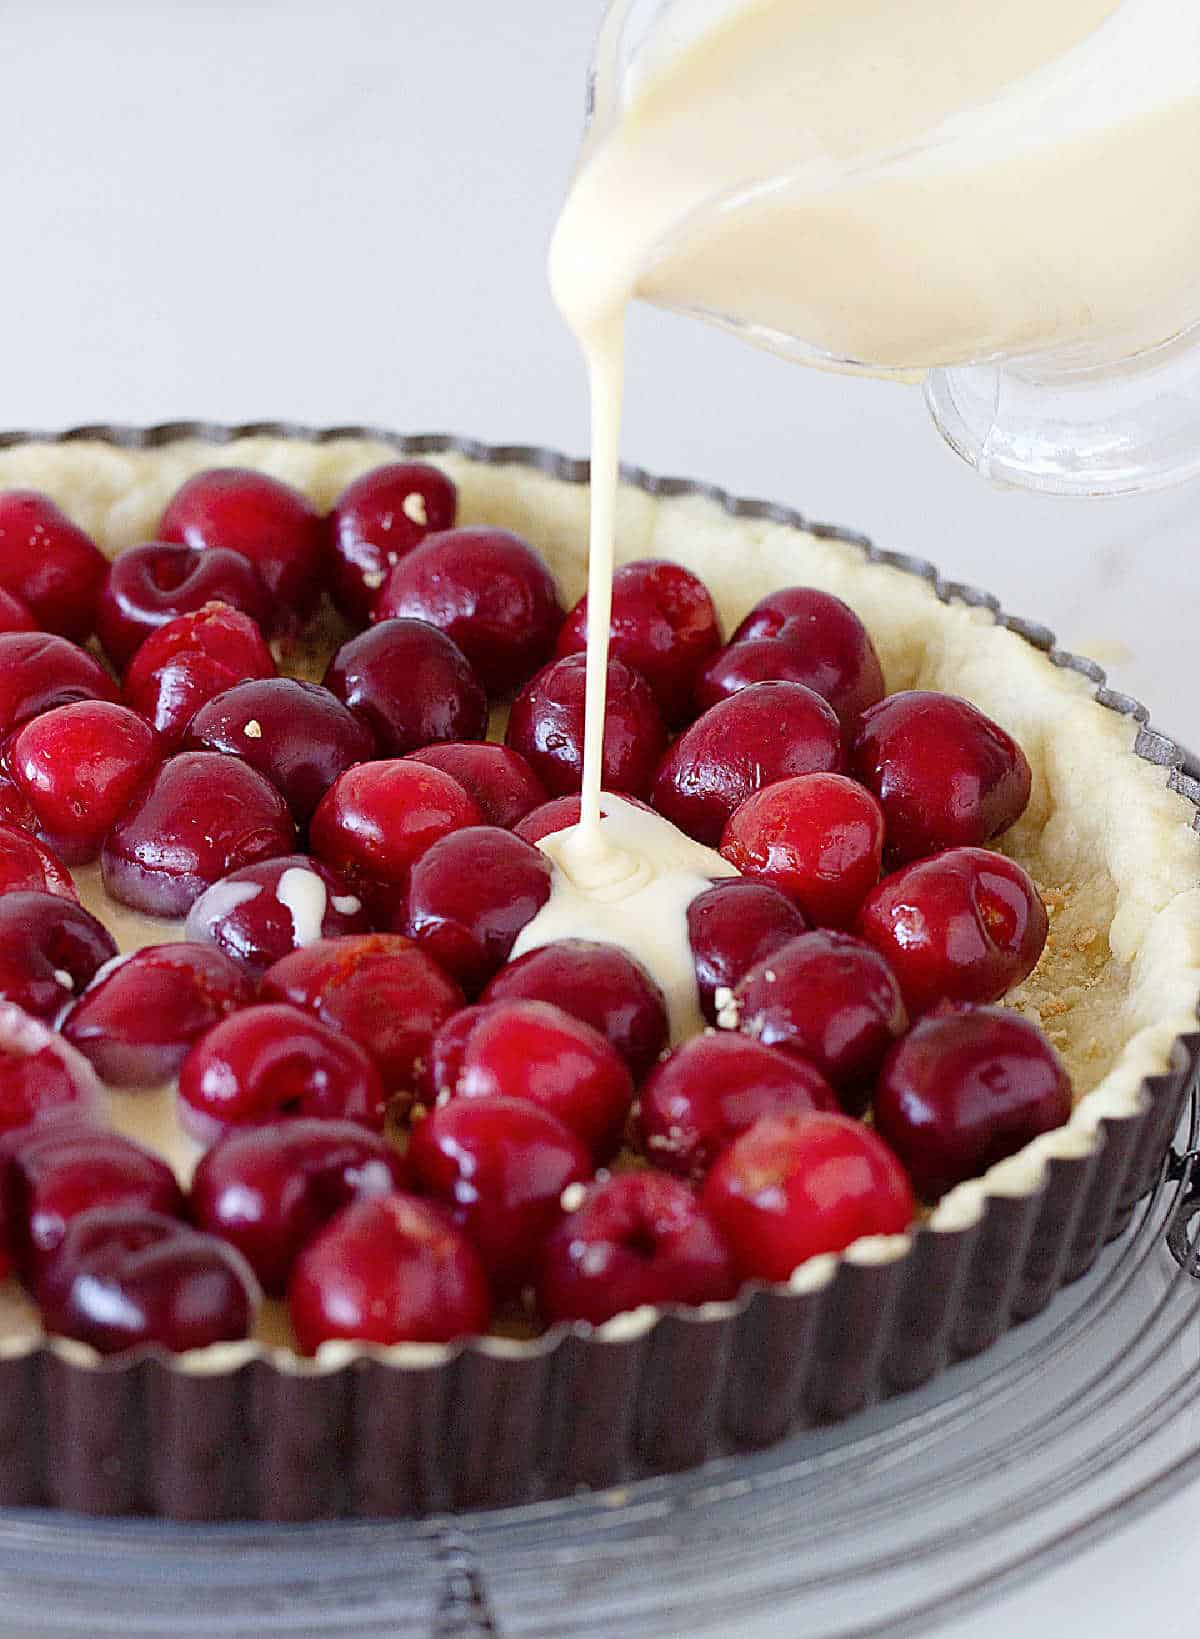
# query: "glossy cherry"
377, 520
14, 806
732, 926
28, 866
148, 586
965, 1089
411, 685
502, 783
547, 722
559, 814
185, 663
260, 913
39, 671
50, 949
49, 564
42, 1077
15, 616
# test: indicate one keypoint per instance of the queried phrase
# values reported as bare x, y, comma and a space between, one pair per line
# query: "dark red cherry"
766, 733
273, 525
185, 663
489, 591
411, 685
260, 913
795, 1186
600, 984
14, 806
468, 898
732, 926
964, 926
388, 1270
829, 998
49, 564
502, 783
269, 1190
147, 586
559, 814
705, 1094
201, 817
41, 1076
15, 616
634, 1240
39, 671
547, 720
297, 734
965, 1089
946, 776
377, 520
137, 1018
28, 866
50, 949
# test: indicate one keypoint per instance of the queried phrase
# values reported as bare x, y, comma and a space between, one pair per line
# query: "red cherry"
41, 1076
488, 591
273, 1060
148, 586
377, 520
14, 807
502, 783
830, 999
297, 734
637, 1239
536, 1053
546, 727
388, 1270
80, 767
795, 1186
469, 896
499, 1166
600, 984
559, 814
260, 913
964, 926
15, 616
946, 776
732, 926
964, 1090
765, 733
124, 1276
268, 1190
50, 565
50, 949
818, 838
270, 523
39, 672
705, 1094
201, 817
379, 989
663, 624
185, 663
137, 1019
410, 684
27, 866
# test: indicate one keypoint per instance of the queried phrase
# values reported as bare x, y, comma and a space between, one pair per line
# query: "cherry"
766, 733
559, 814
818, 838
795, 1186
965, 926
502, 783
600, 984
80, 767
14, 806
377, 520
663, 624
410, 684
15, 616
260, 913
379, 989
41, 1075
201, 817
965, 1089
388, 1270
469, 896
26, 865
50, 949
499, 1166
705, 1094
125, 1276
946, 776
298, 734
799, 635
185, 663
270, 523
268, 1190
536, 1053
50, 565
148, 586
137, 1019
488, 591
273, 1060
39, 672
829, 998
732, 926
547, 719
637, 1239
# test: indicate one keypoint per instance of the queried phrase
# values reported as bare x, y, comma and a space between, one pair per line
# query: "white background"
339, 211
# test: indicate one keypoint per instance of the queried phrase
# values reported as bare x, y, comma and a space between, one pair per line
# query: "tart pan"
246, 1433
